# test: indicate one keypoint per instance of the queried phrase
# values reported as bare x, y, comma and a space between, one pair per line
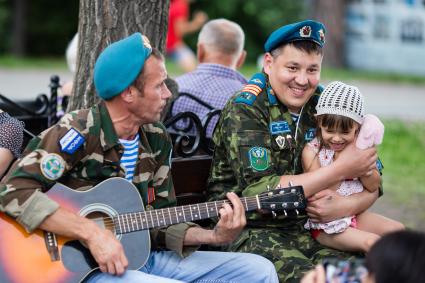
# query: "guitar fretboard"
135, 221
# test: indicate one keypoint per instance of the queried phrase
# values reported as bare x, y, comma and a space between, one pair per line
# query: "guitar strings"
184, 209
110, 223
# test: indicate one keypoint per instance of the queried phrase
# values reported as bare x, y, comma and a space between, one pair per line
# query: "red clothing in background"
179, 9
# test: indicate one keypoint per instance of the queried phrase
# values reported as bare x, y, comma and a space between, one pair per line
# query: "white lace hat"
341, 99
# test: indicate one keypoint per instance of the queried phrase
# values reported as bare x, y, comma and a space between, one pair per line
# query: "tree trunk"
105, 21
332, 14
18, 28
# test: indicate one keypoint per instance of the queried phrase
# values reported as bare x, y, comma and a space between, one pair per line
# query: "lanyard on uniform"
294, 161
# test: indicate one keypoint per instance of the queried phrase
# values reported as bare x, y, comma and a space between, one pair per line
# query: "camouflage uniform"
97, 159
255, 119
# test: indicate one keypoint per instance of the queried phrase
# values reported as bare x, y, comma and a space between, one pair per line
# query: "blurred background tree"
37, 27
45, 27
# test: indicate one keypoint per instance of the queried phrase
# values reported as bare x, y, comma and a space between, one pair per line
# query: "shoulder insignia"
52, 166
251, 90
319, 89
71, 141
271, 96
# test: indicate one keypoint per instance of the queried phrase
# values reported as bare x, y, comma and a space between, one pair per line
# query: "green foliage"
51, 25
403, 155
257, 18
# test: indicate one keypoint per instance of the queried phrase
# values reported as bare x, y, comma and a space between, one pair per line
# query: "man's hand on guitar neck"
103, 245
231, 223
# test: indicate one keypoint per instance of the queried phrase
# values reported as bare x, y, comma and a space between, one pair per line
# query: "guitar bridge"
51, 245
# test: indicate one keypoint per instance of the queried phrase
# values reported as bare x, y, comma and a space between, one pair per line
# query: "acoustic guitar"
115, 204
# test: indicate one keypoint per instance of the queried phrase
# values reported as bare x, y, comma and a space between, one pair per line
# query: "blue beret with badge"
305, 30
119, 64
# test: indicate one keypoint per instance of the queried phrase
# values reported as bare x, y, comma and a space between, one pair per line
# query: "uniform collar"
108, 136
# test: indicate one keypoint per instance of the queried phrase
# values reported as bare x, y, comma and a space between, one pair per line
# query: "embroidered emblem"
305, 31
52, 166
71, 141
258, 158
279, 127
257, 81
146, 42
322, 35
310, 134
280, 140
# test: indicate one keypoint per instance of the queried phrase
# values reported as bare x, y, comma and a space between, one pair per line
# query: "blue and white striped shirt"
129, 158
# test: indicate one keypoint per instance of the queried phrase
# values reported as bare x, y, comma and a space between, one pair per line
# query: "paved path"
385, 100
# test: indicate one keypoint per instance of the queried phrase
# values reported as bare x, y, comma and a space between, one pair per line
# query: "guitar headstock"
283, 199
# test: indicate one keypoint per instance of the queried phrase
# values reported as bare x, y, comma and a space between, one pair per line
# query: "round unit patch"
52, 166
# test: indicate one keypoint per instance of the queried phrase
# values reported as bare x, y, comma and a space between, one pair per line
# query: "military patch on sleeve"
258, 158
246, 98
71, 141
310, 134
52, 166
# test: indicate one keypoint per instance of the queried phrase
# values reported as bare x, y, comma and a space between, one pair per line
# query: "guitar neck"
135, 221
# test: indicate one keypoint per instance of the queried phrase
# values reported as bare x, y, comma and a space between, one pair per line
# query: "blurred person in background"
220, 52
178, 26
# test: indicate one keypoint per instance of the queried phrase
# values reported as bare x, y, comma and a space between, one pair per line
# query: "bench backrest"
190, 177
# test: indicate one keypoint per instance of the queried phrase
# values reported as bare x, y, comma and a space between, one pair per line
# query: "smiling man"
259, 140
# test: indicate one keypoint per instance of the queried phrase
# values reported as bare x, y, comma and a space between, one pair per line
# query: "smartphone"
344, 271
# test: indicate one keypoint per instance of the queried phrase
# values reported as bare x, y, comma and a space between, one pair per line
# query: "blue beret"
305, 30
119, 64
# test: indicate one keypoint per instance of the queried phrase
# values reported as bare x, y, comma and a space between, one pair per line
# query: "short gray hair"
223, 36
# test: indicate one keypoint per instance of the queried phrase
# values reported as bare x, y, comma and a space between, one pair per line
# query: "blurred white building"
386, 35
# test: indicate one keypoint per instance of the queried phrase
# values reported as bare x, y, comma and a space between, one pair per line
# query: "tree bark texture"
102, 22
332, 14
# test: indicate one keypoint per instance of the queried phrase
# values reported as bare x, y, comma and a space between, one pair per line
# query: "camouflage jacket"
257, 141
93, 156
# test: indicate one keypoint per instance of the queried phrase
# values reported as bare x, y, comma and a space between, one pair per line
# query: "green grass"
403, 155
12, 62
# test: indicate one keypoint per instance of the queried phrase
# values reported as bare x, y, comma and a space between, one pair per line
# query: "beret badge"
322, 35
305, 31
146, 42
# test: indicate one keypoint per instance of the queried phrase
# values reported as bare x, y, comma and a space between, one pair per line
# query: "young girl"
340, 122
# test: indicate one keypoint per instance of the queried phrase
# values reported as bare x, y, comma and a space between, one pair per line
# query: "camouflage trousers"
292, 250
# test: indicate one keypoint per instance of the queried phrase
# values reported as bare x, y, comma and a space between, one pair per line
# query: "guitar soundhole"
102, 219
102, 215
